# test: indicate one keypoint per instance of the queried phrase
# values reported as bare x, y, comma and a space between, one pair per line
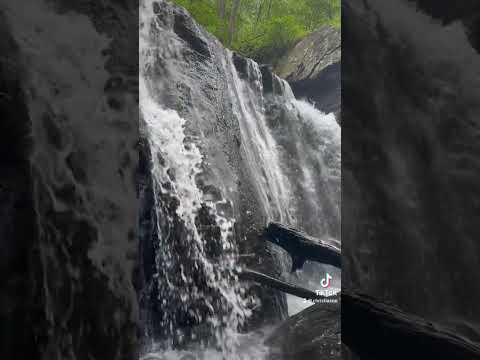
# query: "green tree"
262, 29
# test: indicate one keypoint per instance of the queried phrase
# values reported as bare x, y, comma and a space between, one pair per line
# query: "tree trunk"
232, 24
259, 12
269, 8
221, 11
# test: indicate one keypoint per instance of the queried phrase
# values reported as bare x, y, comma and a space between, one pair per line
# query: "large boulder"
312, 67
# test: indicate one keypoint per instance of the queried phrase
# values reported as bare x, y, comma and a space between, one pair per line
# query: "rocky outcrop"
68, 88
312, 68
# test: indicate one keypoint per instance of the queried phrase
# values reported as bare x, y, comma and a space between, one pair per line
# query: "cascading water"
259, 146
309, 143
199, 293
293, 152
316, 178
229, 149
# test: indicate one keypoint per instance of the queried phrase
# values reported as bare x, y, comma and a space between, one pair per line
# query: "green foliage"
270, 39
264, 29
204, 12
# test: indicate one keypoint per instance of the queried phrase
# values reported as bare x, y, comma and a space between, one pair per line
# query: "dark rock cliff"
312, 68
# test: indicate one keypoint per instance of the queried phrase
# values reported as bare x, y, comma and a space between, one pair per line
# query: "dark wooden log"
302, 247
374, 330
252, 275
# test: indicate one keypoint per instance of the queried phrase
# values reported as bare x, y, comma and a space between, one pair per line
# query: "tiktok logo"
326, 295
325, 283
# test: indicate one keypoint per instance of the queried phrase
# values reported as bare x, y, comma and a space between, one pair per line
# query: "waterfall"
215, 298
259, 145
316, 177
294, 158
198, 291
229, 148
318, 143
294, 155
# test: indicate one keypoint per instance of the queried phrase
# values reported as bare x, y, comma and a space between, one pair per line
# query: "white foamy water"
322, 158
249, 347
164, 129
328, 133
190, 281
259, 146
297, 180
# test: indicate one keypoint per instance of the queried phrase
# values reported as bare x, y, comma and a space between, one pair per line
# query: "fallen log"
302, 247
374, 330
263, 279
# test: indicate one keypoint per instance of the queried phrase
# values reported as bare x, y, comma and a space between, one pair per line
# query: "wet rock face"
312, 68
67, 190
410, 162
313, 333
